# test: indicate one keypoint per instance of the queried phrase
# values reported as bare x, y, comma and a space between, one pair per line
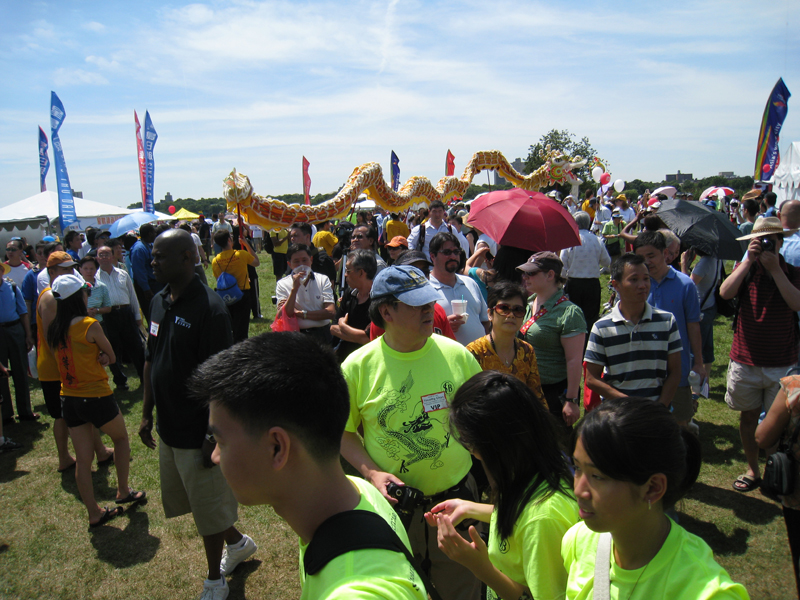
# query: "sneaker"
10, 444
214, 590
231, 557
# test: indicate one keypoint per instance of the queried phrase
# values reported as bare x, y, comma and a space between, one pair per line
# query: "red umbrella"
524, 219
716, 191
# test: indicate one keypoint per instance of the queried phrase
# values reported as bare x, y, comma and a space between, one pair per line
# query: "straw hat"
768, 226
6, 269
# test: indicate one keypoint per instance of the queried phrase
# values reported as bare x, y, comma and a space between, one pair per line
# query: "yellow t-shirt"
531, 556
284, 246
234, 262
46, 363
81, 375
395, 228
402, 398
587, 208
683, 568
325, 240
369, 573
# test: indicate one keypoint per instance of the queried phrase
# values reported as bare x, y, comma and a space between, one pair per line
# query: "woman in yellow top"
235, 262
632, 463
501, 350
503, 424
82, 351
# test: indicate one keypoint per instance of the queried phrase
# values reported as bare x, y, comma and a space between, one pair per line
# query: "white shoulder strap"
602, 568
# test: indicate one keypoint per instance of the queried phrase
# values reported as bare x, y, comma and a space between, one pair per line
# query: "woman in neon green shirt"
502, 423
633, 462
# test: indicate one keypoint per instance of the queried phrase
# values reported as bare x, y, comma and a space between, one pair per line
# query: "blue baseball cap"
406, 283
48, 238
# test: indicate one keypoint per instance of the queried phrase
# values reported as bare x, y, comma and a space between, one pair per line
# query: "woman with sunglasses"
633, 462
503, 424
501, 350
556, 328
82, 351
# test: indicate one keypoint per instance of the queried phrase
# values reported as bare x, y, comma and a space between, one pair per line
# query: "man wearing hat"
615, 244
15, 343
765, 337
396, 247
400, 385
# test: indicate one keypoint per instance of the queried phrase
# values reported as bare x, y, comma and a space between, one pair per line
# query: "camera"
767, 245
408, 498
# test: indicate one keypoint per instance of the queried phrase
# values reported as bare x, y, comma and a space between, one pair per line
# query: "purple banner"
44, 160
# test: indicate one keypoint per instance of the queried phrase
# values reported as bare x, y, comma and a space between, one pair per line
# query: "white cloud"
65, 77
94, 26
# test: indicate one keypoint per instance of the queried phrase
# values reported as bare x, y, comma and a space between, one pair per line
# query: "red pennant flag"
450, 164
306, 181
142, 165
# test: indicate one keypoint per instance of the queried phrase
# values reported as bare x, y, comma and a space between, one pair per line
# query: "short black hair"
295, 248
221, 238
89, 259
436, 204
440, 239
504, 290
770, 198
69, 236
304, 227
650, 238
263, 382
375, 309
618, 266
364, 259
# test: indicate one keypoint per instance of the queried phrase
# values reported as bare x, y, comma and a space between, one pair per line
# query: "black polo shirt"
182, 336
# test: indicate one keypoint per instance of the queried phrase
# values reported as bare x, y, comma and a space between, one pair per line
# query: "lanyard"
540, 313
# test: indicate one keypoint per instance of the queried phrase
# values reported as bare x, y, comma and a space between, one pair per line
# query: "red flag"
142, 165
306, 181
450, 164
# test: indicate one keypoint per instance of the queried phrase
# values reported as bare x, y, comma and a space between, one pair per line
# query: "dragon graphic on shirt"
411, 442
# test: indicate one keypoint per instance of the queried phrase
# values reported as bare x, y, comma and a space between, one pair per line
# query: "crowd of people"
448, 370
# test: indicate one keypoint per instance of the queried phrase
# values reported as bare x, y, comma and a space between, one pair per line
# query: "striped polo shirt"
634, 357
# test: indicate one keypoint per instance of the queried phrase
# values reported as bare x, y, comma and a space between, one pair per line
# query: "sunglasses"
449, 252
358, 237
504, 310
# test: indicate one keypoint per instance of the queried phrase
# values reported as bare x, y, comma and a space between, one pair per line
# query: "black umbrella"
703, 228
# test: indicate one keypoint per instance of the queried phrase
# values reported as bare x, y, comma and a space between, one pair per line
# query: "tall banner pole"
44, 160
66, 204
150, 137
142, 161
768, 154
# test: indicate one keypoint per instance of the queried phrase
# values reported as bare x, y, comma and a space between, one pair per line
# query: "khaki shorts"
682, 405
752, 388
188, 487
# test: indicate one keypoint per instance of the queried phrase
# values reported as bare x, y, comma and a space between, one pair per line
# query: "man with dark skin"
189, 323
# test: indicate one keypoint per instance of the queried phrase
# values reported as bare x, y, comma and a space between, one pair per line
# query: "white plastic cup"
459, 307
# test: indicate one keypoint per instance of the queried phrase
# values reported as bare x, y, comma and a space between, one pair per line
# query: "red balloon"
605, 178
765, 168
171, 210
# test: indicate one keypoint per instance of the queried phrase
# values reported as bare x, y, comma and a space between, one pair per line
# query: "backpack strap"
356, 530
602, 568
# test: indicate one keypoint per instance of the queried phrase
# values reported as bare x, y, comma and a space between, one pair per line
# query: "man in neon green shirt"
400, 385
282, 449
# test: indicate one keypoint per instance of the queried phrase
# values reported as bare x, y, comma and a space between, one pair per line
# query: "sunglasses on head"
504, 310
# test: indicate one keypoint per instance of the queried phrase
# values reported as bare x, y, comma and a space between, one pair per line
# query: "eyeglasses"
449, 252
358, 237
506, 309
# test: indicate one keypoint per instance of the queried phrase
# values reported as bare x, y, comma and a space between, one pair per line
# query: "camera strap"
357, 530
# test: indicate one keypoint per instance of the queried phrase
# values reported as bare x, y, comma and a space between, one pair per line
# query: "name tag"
153, 328
434, 402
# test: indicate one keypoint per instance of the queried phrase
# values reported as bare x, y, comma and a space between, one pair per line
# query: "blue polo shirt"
677, 294
29, 292
12, 304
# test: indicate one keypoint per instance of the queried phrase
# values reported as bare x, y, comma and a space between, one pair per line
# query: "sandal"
746, 483
68, 467
133, 496
108, 514
109, 460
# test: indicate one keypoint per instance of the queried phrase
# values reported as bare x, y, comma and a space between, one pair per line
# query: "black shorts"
97, 411
52, 397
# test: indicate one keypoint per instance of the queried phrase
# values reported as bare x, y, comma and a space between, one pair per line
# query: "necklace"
505, 362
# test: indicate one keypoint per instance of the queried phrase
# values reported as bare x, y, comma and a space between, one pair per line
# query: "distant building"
519, 167
727, 174
679, 177
76, 194
168, 197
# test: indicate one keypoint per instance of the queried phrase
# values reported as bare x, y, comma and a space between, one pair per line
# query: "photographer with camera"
765, 335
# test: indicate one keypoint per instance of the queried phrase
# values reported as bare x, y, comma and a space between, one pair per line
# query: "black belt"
9, 323
120, 306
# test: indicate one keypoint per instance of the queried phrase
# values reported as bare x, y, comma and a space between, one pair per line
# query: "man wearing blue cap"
400, 385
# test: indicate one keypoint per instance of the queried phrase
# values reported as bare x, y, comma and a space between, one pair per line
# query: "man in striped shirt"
635, 351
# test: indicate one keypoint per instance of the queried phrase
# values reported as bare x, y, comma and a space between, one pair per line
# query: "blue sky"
656, 87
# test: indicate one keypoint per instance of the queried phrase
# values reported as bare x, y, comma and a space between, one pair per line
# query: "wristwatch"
303, 314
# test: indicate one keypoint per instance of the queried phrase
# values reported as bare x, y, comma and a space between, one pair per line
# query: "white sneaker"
213, 590
232, 557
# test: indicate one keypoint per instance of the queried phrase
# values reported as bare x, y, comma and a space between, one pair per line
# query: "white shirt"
477, 309
120, 288
431, 231
489, 242
601, 217
199, 244
584, 261
312, 296
42, 281
17, 274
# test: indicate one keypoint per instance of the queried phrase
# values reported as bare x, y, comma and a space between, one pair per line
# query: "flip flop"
746, 483
109, 460
68, 467
108, 514
132, 497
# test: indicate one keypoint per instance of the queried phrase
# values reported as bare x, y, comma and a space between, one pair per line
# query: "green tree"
566, 143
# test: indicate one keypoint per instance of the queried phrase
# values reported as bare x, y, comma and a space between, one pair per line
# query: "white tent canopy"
46, 205
786, 180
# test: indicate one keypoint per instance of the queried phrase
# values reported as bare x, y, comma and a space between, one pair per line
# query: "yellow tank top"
45, 360
81, 374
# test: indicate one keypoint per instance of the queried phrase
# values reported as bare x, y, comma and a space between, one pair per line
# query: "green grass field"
47, 550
